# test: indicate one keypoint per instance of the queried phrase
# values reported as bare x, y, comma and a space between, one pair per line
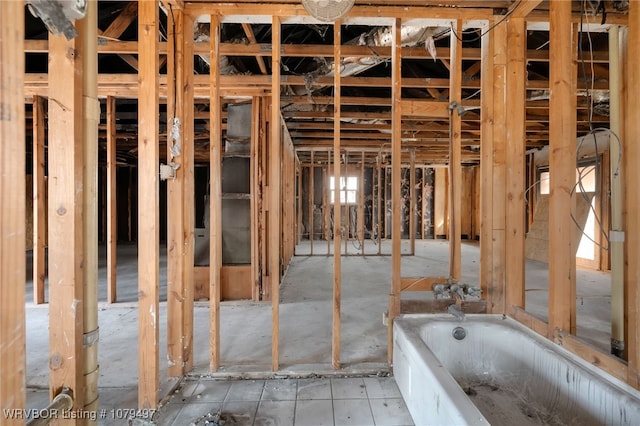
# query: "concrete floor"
305, 320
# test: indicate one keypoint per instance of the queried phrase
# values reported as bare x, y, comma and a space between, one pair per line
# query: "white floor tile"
352, 412
348, 388
390, 412
275, 413
315, 412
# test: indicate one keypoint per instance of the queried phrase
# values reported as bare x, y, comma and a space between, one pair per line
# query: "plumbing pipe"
616, 235
90, 207
63, 401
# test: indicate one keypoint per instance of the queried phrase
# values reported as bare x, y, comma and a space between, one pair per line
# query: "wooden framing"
632, 199
180, 197
515, 160
440, 202
254, 184
361, 205
562, 170
396, 186
275, 155
66, 233
112, 203
148, 206
215, 198
455, 168
311, 199
39, 200
412, 202
12, 220
337, 205
496, 292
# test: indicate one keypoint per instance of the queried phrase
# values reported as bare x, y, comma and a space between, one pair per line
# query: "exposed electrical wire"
488, 30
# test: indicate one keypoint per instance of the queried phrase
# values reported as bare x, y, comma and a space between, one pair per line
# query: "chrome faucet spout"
456, 311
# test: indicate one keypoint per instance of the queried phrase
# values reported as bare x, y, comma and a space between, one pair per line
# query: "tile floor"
315, 401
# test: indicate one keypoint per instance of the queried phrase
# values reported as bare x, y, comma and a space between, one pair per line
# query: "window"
585, 175
348, 189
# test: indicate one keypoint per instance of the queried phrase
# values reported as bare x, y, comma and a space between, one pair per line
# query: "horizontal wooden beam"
421, 283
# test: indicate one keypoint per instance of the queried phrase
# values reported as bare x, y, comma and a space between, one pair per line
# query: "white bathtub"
500, 373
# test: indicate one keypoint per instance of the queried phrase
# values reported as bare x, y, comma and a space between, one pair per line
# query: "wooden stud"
347, 206
311, 199
252, 39
612, 207
455, 155
39, 200
631, 155
562, 167
337, 205
255, 206
180, 196
112, 202
378, 219
326, 204
412, 202
396, 190
66, 239
423, 206
515, 160
215, 197
298, 197
361, 205
275, 157
148, 206
496, 292
12, 219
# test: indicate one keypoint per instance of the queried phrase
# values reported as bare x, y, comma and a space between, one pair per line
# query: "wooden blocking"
421, 283
562, 168
148, 205
236, 282
12, 219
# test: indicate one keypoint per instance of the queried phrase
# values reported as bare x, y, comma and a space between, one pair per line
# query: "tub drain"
459, 333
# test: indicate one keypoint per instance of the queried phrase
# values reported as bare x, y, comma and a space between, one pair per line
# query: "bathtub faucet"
456, 311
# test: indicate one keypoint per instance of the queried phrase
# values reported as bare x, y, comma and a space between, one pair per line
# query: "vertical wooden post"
496, 294
631, 150
337, 205
112, 202
440, 196
148, 205
361, 205
275, 156
486, 165
66, 239
412, 202
455, 153
515, 160
12, 219
311, 199
612, 178
396, 189
327, 204
215, 196
87, 31
423, 207
255, 203
562, 167
378, 218
39, 190
180, 194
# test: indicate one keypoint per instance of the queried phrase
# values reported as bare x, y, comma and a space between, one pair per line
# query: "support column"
361, 205
486, 165
616, 235
455, 154
311, 200
337, 205
215, 196
112, 202
180, 195
66, 217
87, 30
39, 200
412, 203
148, 206
275, 157
515, 160
631, 156
562, 168
12, 219
396, 181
